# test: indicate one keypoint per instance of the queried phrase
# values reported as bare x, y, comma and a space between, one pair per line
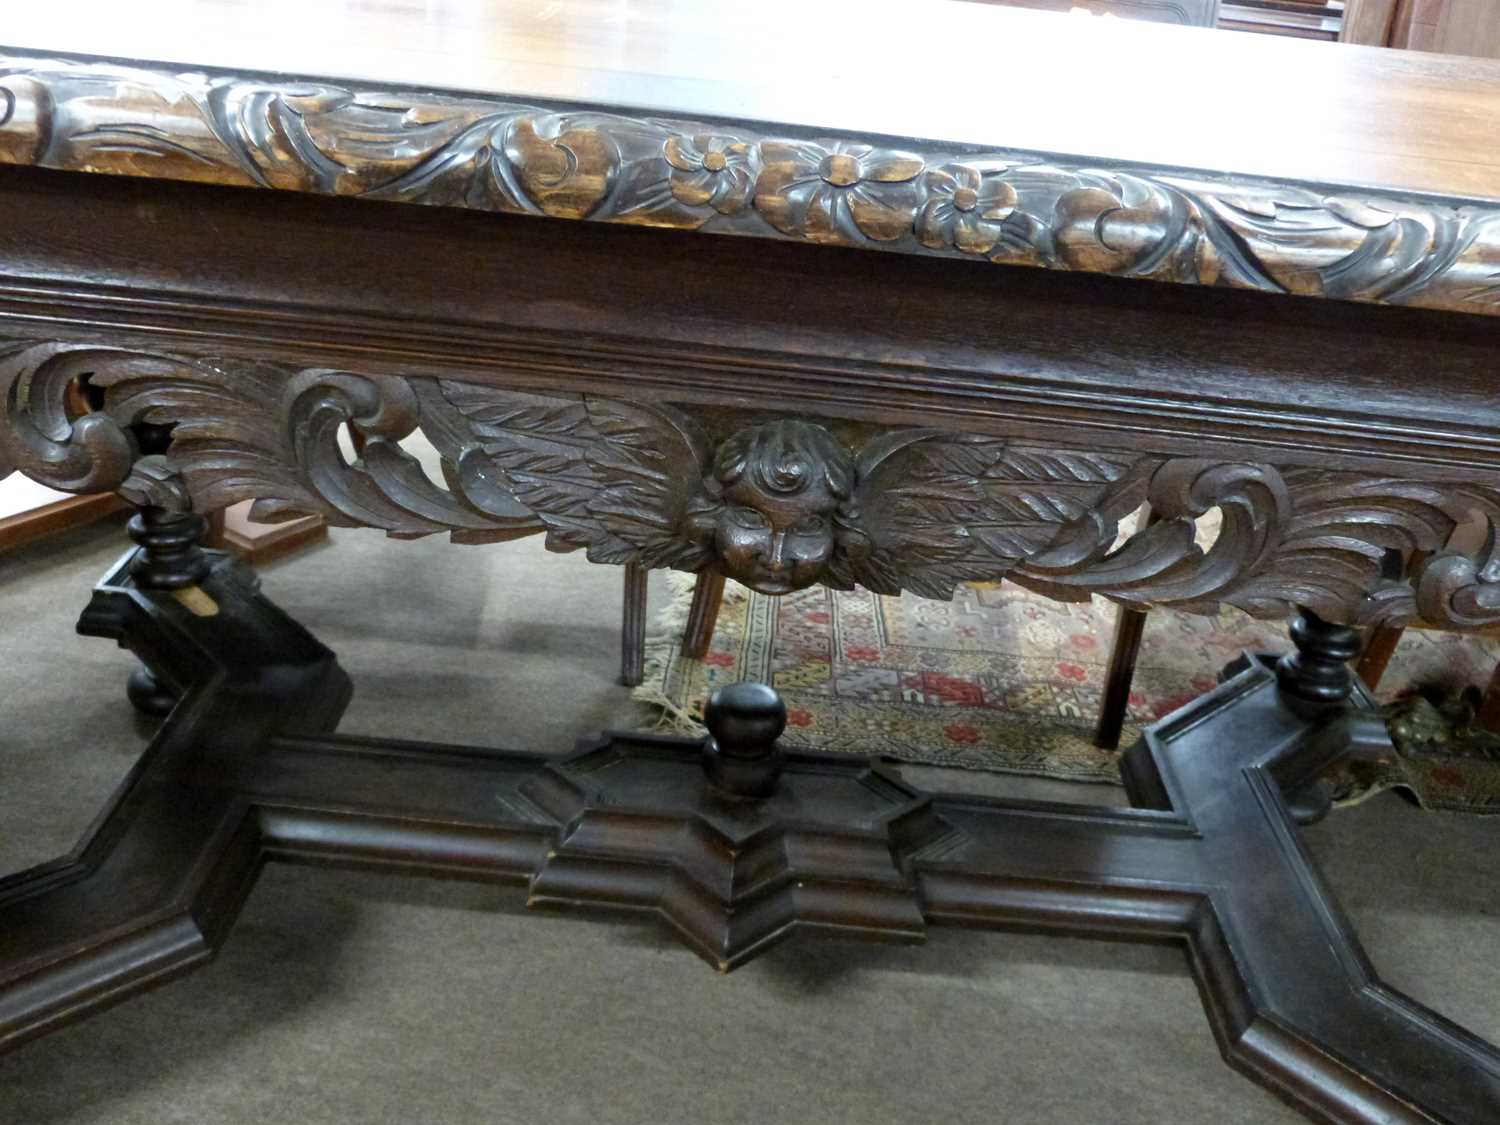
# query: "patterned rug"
1002, 679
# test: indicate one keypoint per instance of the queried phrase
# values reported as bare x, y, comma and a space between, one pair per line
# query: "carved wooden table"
784, 408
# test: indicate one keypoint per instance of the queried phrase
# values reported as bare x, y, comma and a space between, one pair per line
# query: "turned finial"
173, 558
740, 755
1317, 675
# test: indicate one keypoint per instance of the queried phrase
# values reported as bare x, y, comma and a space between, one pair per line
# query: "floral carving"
965, 208
566, 170
710, 169
1128, 225
835, 194
490, 154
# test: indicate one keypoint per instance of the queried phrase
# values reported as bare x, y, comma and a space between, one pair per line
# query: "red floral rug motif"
997, 679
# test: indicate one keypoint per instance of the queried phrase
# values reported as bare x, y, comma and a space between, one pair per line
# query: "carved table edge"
491, 153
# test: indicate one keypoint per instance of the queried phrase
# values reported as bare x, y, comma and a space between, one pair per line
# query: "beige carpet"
354, 999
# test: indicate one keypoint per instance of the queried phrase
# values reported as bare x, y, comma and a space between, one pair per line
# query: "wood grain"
1184, 13
1103, 89
1368, 22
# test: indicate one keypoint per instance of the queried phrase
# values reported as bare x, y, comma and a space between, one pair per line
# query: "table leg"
1115, 700
633, 626
245, 770
703, 615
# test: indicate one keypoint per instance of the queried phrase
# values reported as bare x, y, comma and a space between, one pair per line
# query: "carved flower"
965, 207
710, 168
825, 194
1100, 231
567, 169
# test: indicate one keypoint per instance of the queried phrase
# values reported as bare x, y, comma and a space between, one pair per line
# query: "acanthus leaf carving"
87, 453
777, 504
239, 430
1462, 591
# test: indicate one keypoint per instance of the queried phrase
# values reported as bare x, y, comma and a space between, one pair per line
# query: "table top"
1137, 92
926, 126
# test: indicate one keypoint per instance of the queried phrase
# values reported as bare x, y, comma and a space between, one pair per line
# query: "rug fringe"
671, 624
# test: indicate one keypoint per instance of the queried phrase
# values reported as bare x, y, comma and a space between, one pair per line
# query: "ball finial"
740, 756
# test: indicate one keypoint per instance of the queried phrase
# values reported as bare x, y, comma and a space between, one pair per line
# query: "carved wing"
938, 509
618, 480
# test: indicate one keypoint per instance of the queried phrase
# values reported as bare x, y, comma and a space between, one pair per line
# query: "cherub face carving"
782, 486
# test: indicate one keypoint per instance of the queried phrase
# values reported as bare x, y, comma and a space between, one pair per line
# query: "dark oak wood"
1124, 649
785, 409
244, 771
1409, 121
1380, 647
1375, 151
1064, 423
1313, 406
1070, 354
633, 626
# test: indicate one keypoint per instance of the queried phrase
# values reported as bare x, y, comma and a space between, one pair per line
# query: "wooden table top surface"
946, 70
1397, 148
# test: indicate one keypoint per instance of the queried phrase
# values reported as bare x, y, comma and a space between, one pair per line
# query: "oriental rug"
1004, 680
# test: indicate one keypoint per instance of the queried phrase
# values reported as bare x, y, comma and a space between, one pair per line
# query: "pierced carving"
240, 430
1462, 590
492, 155
777, 504
89, 453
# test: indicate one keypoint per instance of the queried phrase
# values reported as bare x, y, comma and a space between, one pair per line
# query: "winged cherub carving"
778, 505
781, 495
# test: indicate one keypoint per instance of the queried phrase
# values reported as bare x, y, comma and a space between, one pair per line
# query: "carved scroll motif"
1288, 537
241, 430
491, 155
777, 504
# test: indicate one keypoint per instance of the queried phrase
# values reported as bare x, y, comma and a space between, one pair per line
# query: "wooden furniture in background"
1211, 320
1368, 22
232, 529
1186, 13
633, 626
29, 514
21, 528
1455, 27
1452, 27
1302, 19
1380, 648
703, 614
1380, 645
